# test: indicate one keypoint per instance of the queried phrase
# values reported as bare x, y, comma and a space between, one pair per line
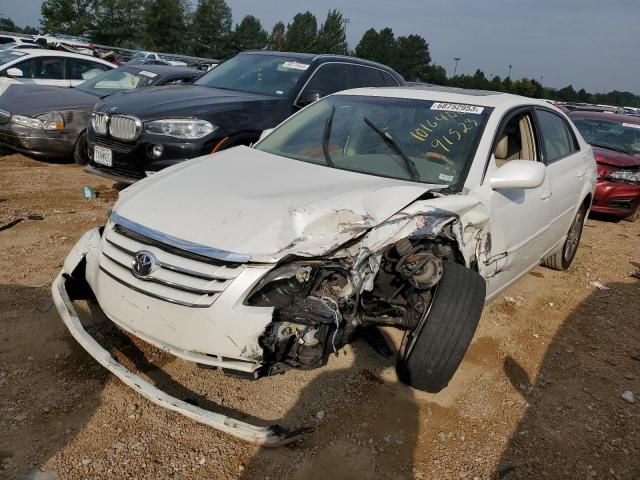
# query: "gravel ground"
539, 394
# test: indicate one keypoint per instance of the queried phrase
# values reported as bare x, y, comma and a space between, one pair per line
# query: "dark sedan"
45, 121
616, 145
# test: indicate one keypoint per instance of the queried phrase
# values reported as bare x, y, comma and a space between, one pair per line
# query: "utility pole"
455, 69
509, 75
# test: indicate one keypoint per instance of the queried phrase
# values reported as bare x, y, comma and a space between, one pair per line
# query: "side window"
365, 77
516, 140
179, 81
78, 69
557, 139
389, 81
4, 40
329, 78
46, 68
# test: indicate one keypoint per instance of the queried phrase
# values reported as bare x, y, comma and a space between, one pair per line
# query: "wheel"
433, 350
80, 154
562, 259
634, 216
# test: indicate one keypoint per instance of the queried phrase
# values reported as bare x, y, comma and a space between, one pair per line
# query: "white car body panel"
256, 209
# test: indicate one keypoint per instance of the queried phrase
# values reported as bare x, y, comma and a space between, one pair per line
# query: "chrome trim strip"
184, 271
152, 295
185, 245
167, 283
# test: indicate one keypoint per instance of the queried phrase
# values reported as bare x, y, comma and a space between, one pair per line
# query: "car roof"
483, 98
45, 52
164, 69
615, 117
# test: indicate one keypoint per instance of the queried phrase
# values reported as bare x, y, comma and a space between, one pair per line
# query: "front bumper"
38, 143
271, 435
616, 198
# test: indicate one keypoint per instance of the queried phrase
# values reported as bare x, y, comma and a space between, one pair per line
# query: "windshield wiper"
325, 138
389, 140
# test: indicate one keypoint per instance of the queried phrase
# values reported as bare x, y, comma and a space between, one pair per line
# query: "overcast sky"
592, 44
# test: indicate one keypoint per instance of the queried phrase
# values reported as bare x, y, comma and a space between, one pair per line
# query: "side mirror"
265, 133
309, 97
15, 72
518, 174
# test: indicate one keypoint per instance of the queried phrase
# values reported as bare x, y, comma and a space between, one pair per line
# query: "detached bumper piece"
270, 436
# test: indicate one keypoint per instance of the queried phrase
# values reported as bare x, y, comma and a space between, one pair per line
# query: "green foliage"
29, 30
331, 36
163, 24
211, 29
73, 17
277, 37
301, 33
123, 33
249, 35
7, 25
412, 58
378, 46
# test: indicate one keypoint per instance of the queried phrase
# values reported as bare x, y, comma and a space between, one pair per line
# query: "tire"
634, 216
80, 154
433, 351
562, 259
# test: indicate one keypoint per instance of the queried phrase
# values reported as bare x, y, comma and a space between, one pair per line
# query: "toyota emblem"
144, 262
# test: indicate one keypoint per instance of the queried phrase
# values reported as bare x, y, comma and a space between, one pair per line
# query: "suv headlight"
631, 176
46, 121
188, 129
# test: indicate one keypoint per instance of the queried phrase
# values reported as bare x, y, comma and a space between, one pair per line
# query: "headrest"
502, 148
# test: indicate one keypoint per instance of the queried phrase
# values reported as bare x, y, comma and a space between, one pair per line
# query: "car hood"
616, 159
178, 100
264, 206
36, 99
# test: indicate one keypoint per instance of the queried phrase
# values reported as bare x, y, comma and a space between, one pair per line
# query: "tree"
249, 34
413, 58
212, 29
277, 37
164, 26
117, 23
73, 17
302, 33
436, 74
378, 46
8, 25
29, 30
331, 36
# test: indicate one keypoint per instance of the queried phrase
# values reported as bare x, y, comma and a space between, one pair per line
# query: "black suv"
140, 132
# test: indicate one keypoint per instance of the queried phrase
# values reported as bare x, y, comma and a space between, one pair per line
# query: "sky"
591, 44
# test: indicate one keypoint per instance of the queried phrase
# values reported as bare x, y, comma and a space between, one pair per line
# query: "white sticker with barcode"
457, 107
295, 65
148, 74
631, 125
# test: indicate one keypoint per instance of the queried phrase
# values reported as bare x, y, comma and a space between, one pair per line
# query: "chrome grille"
124, 127
176, 279
99, 121
4, 116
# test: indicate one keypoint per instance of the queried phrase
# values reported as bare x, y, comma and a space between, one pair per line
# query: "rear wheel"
434, 349
562, 259
80, 153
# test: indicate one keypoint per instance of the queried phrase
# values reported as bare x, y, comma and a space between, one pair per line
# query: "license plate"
103, 156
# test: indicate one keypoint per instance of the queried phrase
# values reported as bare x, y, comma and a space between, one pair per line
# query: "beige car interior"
516, 141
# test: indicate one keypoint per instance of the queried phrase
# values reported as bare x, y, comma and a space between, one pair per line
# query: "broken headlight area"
318, 308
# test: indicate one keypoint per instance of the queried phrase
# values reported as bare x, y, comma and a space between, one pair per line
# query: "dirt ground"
538, 394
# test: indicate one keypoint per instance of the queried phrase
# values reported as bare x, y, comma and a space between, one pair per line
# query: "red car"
616, 145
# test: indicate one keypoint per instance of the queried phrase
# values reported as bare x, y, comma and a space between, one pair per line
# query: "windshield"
615, 135
266, 74
9, 55
117, 80
408, 139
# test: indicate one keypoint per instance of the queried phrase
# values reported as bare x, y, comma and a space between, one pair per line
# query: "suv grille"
124, 127
100, 123
177, 277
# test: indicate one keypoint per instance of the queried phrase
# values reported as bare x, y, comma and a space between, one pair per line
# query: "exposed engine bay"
319, 308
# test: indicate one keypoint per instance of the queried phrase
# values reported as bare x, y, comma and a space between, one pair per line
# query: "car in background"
51, 122
136, 134
17, 39
616, 143
18, 46
377, 207
47, 67
142, 58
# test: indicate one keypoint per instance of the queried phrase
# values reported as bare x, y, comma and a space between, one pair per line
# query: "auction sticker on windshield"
457, 107
295, 65
103, 156
148, 74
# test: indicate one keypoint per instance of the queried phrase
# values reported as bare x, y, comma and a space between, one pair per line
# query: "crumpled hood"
36, 99
250, 202
178, 100
617, 159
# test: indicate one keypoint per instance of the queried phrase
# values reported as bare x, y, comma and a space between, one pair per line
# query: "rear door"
565, 170
79, 70
43, 71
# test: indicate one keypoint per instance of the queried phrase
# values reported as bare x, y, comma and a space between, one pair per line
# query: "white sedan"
47, 67
403, 207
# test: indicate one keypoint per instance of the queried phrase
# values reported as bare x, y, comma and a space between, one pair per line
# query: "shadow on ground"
577, 425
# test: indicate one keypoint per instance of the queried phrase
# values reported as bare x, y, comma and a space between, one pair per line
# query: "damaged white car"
403, 207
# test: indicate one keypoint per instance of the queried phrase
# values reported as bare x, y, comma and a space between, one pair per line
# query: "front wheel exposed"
80, 153
433, 350
562, 260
